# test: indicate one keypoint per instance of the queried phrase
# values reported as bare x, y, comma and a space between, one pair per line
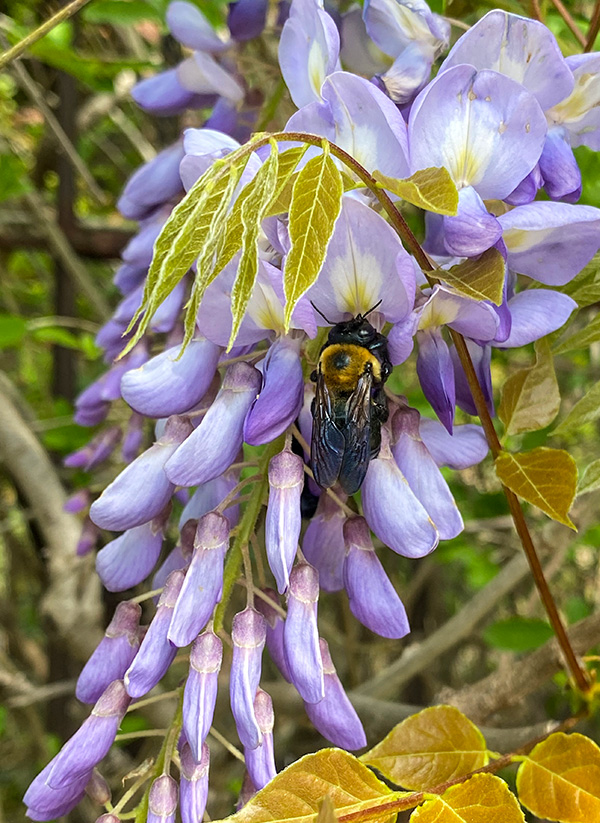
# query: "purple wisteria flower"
233, 419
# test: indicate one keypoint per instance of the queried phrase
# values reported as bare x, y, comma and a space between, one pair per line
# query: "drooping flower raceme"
213, 434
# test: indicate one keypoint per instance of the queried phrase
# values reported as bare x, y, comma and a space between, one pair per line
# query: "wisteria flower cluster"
501, 116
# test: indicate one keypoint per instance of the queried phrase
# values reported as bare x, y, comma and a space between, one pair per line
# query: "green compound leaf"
232, 233
545, 477
288, 161
586, 410
560, 779
191, 232
429, 748
480, 278
295, 794
590, 479
315, 207
530, 397
431, 189
582, 338
518, 634
483, 798
251, 215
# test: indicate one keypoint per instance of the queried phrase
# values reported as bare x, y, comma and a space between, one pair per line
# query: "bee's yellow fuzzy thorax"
342, 364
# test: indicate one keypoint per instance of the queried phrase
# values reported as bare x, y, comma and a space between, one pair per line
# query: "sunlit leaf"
590, 479
428, 748
530, 397
586, 410
315, 207
295, 794
585, 287
431, 189
251, 215
483, 798
282, 195
545, 477
581, 339
481, 278
12, 330
560, 779
326, 811
518, 634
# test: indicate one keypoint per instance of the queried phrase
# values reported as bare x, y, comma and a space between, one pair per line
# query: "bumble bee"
350, 405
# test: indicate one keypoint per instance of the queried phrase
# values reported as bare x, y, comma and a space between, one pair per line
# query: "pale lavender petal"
436, 375
113, 655
520, 48
169, 384
283, 520
401, 339
308, 50
424, 477
156, 652
323, 543
469, 317
301, 634
473, 229
536, 313
45, 803
134, 437
359, 53
551, 242
152, 184
193, 787
392, 510
128, 559
208, 496
373, 599
527, 189
334, 716
280, 399
200, 694
579, 113
190, 27
394, 25
486, 129
214, 445
248, 635
142, 490
203, 584
465, 447
558, 165
365, 263
140, 248
202, 74
481, 358
275, 630
163, 95
407, 75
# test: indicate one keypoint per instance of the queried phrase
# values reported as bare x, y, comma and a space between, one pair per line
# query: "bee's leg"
379, 405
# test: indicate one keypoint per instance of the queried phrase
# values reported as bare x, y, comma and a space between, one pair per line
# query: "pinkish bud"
162, 800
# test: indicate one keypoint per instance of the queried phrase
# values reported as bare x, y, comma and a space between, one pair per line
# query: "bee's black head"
358, 331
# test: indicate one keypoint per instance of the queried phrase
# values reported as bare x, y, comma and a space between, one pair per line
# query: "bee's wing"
327, 445
357, 434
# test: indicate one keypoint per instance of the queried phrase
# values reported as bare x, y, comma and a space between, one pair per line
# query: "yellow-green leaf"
585, 288
590, 479
483, 798
545, 477
581, 339
326, 811
251, 215
481, 278
432, 189
429, 748
315, 207
560, 779
586, 410
295, 794
530, 397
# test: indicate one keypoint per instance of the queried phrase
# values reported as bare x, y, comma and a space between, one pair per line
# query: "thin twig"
224, 742
41, 31
593, 29
571, 24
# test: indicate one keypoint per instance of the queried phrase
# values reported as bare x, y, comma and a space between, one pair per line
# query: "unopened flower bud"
203, 584
128, 559
156, 652
162, 800
113, 655
283, 522
323, 543
193, 786
201, 688
260, 761
248, 634
301, 635
98, 789
275, 629
45, 803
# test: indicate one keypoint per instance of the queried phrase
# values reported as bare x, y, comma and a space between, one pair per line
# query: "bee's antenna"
379, 302
322, 315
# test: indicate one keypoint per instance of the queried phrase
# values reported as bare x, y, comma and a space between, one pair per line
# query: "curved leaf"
545, 477
530, 397
560, 779
483, 798
481, 278
431, 189
295, 794
586, 410
581, 339
590, 479
429, 748
315, 207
